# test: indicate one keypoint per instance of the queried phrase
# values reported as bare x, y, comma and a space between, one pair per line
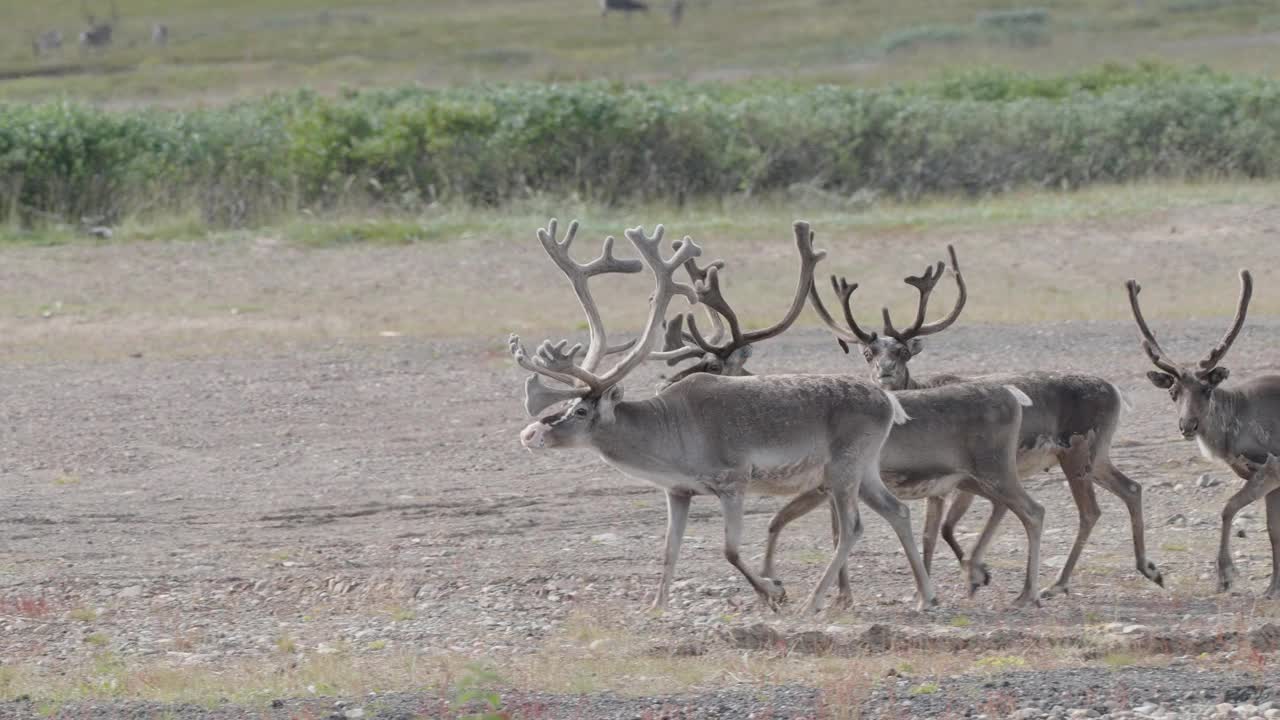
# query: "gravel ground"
193, 512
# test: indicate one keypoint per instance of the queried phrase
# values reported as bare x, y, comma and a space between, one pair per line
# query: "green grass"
238, 47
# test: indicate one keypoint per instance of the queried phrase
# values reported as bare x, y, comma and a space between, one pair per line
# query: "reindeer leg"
1273, 532
844, 591
1109, 476
840, 497
1075, 463
979, 573
798, 506
960, 502
873, 492
1263, 480
677, 518
1007, 493
770, 591
932, 523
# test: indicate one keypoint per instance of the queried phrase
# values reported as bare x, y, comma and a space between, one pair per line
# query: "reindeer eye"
580, 412
868, 354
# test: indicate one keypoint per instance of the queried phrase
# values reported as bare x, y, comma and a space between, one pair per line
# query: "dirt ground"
247, 512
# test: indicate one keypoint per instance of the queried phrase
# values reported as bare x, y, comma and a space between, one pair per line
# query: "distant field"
220, 51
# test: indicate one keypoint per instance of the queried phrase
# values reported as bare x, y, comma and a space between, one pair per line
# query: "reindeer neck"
1222, 424
644, 433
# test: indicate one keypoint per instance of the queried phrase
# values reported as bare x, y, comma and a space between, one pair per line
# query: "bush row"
973, 133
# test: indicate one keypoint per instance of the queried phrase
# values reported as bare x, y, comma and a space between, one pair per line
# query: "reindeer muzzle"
534, 437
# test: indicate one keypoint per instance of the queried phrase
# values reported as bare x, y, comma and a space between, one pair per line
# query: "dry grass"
1028, 257
594, 651
244, 48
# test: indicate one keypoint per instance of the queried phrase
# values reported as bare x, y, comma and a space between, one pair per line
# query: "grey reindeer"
708, 435
1071, 420
46, 42
1238, 425
626, 7
962, 436
97, 34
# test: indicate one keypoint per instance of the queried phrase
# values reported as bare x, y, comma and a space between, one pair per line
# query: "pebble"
1207, 481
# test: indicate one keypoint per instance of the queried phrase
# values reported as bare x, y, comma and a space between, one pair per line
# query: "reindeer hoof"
1152, 573
979, 576
1027, 600
775, 595
926, 604
844, 601
1054, 590
1226, 577
1273, 592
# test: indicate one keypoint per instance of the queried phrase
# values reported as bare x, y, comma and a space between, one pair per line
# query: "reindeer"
677, 12
97, 34
1071, 420
626, 7
935, 452
160, 35
47, 42
708, 435
1239, 425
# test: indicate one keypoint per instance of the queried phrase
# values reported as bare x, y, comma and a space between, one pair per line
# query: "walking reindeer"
959, 436
1238, 425
708, 435
1071, 420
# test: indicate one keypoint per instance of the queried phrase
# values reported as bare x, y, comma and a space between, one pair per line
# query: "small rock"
606, 538
1027, 713
1178, 520
1131, 629
1225, 709
1146, 708
354, 713
101, 231
132, 591
1207, 481
1272, 713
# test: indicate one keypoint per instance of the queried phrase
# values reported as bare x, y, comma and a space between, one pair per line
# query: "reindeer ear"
914, 346
1215, 376
607, 402
539, 397
1164, 381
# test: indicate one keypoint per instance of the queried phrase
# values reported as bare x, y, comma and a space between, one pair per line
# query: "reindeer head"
1190, 389
593, 397
887, 354
718, 355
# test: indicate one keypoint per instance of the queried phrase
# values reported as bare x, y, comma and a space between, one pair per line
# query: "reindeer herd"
96, 35
715, 429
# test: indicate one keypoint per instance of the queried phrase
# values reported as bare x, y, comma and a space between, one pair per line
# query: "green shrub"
977, 132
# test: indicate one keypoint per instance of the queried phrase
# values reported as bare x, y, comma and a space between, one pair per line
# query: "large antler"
708, 292
554, 361
1149, 344
925, 285
844, 291
578, 275
1242, 307
665, 288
